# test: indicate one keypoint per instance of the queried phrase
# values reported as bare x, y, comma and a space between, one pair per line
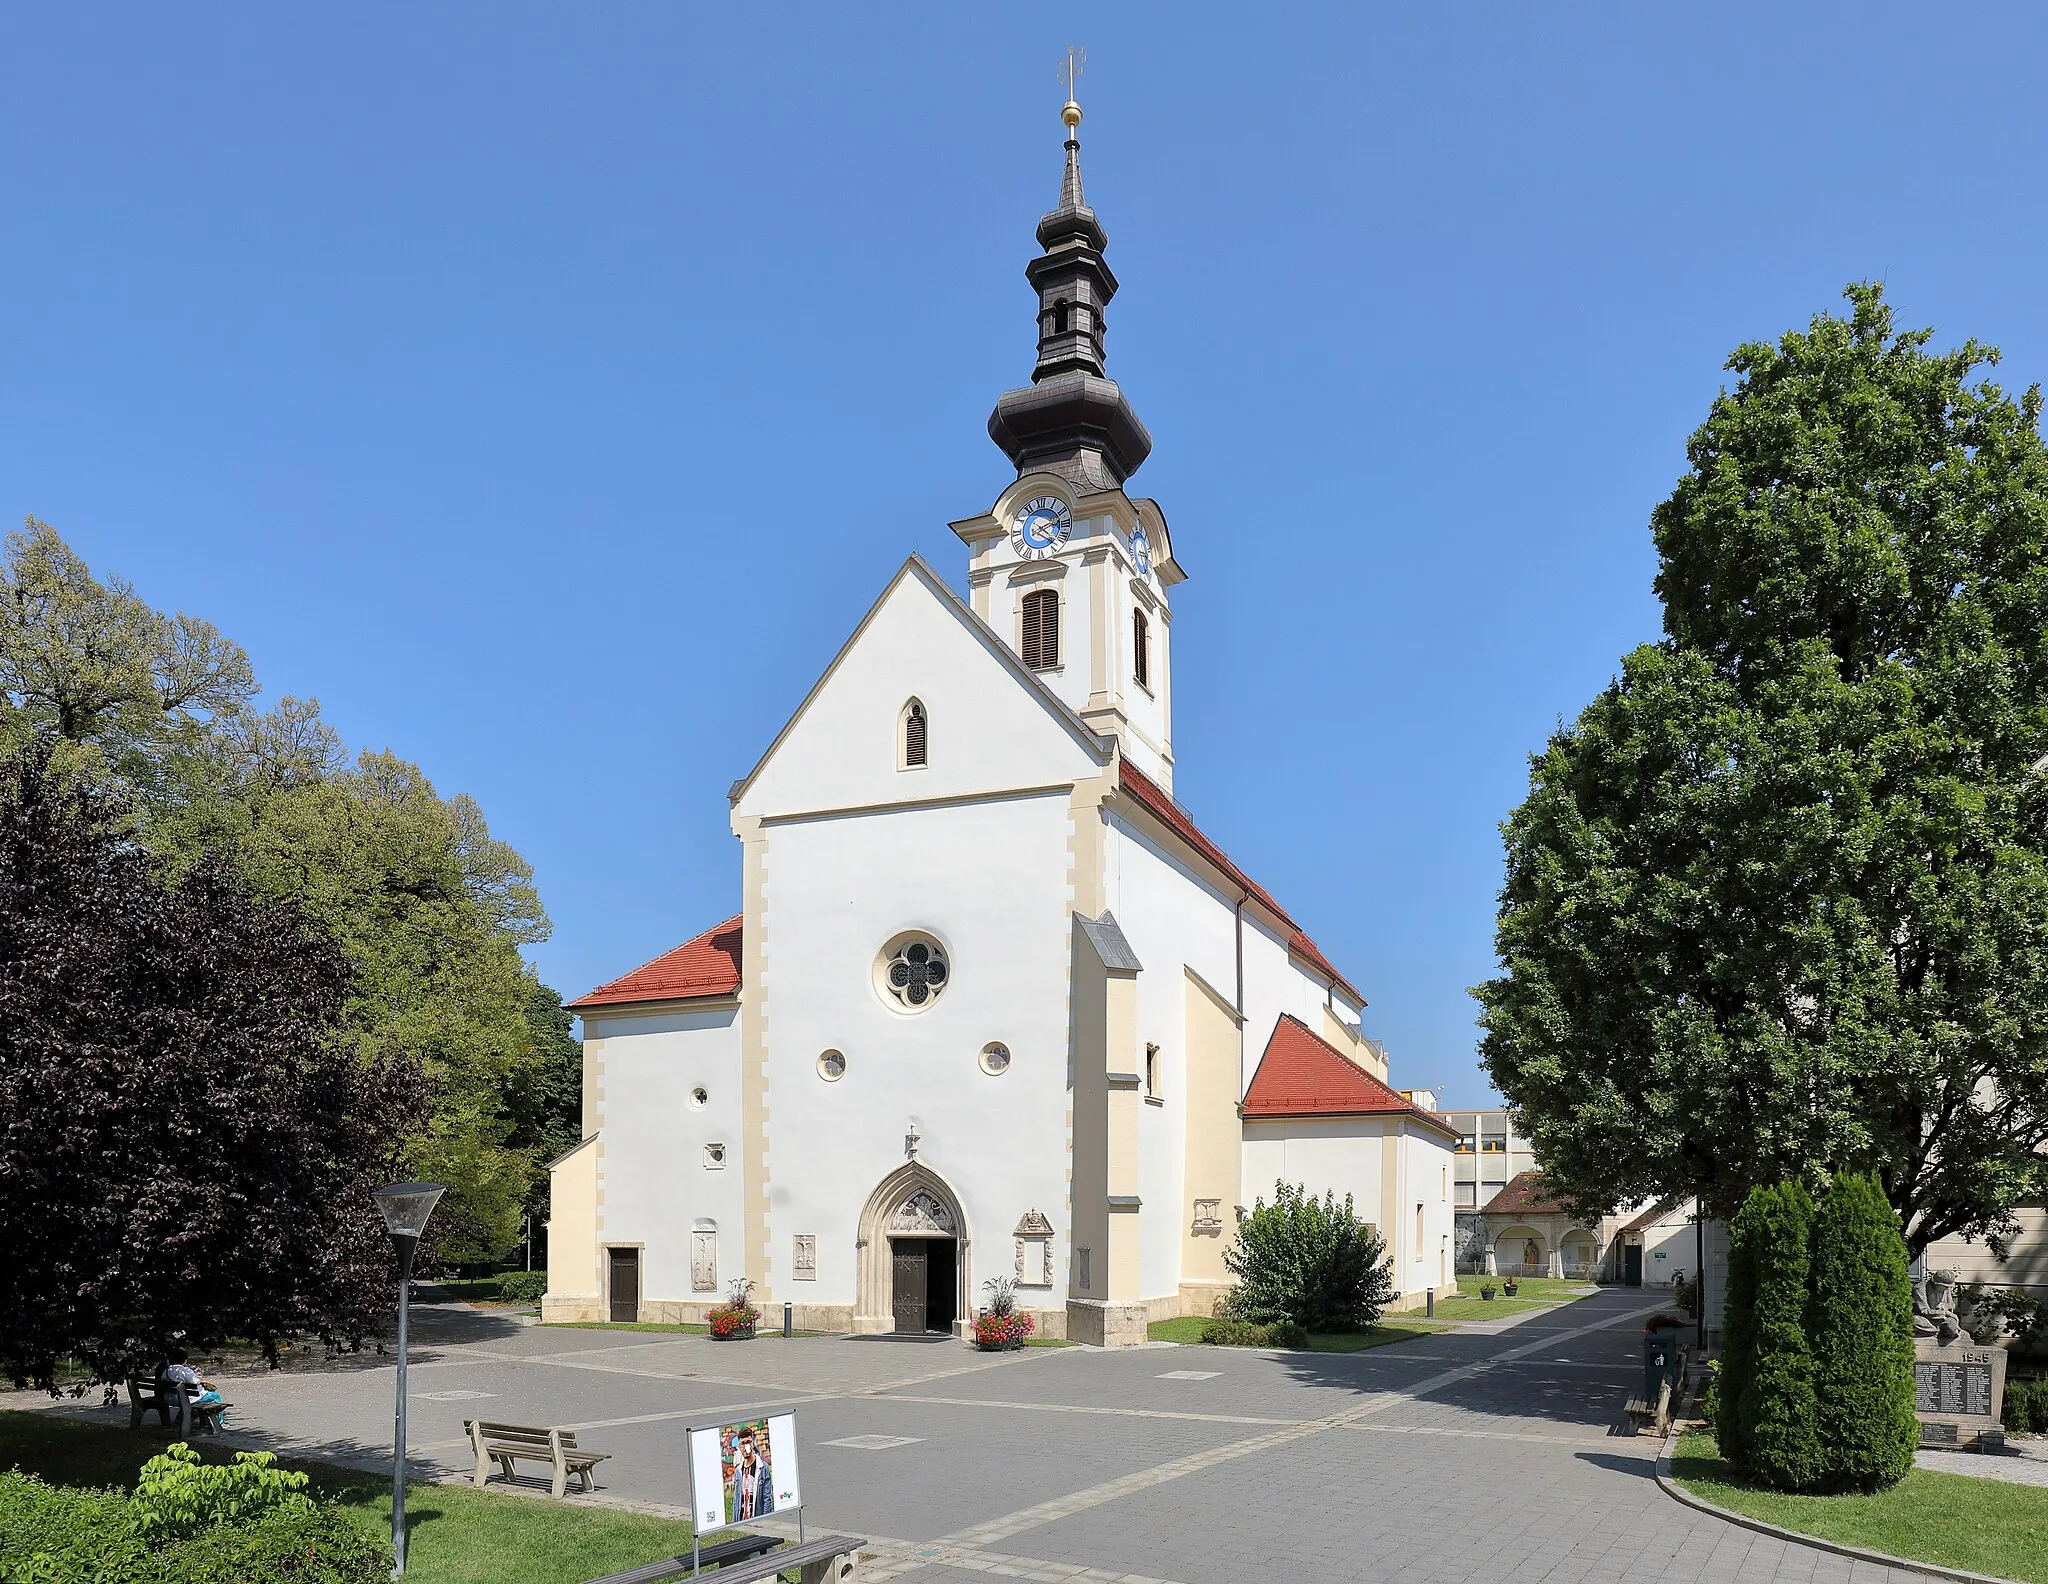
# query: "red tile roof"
1170, 814
1659, 1211
1524, 1195
706, 966
1303, 1074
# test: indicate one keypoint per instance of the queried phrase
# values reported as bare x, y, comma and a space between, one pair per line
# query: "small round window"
832, 1066
699, 1098
995, 1058
913, 972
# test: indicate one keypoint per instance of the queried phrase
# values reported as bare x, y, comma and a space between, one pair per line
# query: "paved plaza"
1460, 1456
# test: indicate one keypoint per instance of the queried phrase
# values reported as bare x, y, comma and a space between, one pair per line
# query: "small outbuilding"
1528, 1233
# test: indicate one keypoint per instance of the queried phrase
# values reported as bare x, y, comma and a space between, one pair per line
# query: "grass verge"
1187, 1330
1952, 1520
458, 1535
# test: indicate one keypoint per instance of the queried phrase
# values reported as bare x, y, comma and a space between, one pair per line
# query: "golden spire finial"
1077, 60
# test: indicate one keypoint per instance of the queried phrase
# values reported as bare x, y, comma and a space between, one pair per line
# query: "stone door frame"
874, 1309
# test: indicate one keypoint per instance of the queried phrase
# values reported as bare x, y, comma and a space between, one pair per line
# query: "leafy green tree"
1777, 1407
546, 1100
1737, 1364
1860, 1323
430, 909
1308, 1261
1777, 901
187, 1147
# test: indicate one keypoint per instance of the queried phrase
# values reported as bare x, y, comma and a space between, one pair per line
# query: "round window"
699, 1098
912, 971
995, 1058
832, 1066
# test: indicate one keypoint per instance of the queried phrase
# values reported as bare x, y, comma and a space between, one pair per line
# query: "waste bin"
1660, 1361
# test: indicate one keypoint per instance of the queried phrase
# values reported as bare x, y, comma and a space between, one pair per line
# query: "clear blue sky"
549, 389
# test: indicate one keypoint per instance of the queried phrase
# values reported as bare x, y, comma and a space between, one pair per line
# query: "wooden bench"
171, 1400
506, 1444
830, 1559
743, 1549
1643, 1415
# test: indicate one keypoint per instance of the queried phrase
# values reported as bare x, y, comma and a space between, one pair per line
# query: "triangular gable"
1303, 1075
1098, 748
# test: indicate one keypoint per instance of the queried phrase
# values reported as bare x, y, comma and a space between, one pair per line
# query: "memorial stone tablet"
1957, 1393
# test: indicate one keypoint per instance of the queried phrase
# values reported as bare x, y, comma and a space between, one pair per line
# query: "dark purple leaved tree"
186, 1148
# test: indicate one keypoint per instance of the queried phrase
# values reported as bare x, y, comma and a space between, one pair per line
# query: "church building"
990, 1003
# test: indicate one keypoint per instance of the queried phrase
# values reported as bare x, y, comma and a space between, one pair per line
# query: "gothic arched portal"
912, 1220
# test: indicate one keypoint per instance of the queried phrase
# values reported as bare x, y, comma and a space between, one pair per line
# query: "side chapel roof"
706, 965
1303, 1074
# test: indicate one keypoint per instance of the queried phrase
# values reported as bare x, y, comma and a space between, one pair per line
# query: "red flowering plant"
999, 1325
736, 1316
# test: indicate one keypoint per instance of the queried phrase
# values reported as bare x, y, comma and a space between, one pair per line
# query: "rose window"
916, 972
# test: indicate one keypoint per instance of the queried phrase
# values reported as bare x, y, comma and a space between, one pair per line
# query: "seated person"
207, 1399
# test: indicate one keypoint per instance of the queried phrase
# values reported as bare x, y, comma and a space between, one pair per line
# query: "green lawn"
459, 1535
1187, 1329
1953, 1520
1535, 1292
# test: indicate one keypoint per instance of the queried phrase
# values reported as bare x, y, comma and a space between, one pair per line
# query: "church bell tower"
1069, 569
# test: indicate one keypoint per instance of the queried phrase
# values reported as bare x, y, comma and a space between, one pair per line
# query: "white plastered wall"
657, 1187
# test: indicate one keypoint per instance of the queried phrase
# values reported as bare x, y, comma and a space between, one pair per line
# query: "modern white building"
990, 1004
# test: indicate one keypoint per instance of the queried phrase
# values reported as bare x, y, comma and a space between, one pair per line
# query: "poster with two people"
743, 1470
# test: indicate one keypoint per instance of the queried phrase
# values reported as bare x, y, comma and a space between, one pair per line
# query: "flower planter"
1486, 1295
1001, 1333
739, 1333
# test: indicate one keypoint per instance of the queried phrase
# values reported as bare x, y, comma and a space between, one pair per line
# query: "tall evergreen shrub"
1778, 1399
1738, 1330
1860, 1326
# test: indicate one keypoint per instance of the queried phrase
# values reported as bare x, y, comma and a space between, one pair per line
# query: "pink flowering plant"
737, 1315
999, 1325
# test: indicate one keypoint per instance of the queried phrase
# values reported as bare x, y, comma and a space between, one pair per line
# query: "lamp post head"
406, 1207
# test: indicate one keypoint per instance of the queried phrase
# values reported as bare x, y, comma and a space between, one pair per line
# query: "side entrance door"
908, 1278
625, 1284
1632, 1265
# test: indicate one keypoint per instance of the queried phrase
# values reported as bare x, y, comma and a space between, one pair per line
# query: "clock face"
1141, 549
1043, 523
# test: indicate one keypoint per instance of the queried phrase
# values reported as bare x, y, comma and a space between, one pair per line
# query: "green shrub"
1227, 1332
2026, 1406
178, 1495
1778, 1400
52, 1535
1738, 1333
1308, 1261
523, 1286
1860, 1328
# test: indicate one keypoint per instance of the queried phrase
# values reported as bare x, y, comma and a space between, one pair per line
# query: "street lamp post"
406, 1208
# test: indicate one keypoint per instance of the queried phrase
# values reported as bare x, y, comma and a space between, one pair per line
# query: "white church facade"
991, 1004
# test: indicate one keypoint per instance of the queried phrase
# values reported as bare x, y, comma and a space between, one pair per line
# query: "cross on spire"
1077, 62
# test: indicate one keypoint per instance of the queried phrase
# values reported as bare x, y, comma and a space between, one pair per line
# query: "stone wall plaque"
1958, 1393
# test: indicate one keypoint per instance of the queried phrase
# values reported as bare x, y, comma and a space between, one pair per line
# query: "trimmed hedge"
1777, 1406
1860, 1327
2026, 1406
523, 1286
1738, 1332
52, 1535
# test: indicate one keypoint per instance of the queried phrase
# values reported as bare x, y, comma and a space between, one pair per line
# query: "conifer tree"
1860, 1326
1777, 1400
1738, 1329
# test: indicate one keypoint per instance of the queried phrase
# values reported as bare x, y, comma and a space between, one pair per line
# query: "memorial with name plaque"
1958, 1390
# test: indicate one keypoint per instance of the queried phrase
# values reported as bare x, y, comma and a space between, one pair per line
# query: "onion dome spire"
1071, 418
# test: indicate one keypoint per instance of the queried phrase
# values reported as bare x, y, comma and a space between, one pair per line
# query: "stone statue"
1934, 1308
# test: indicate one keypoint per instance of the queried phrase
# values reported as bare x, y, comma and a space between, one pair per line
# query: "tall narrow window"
1059, 317
1042, 629
1141, 649
913, 735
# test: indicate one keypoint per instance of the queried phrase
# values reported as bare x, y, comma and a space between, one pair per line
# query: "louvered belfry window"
1141, 648
913, 734
1042, 629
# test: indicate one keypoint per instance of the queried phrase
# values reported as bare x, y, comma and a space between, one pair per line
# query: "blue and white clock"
1042, 526
1141, 549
